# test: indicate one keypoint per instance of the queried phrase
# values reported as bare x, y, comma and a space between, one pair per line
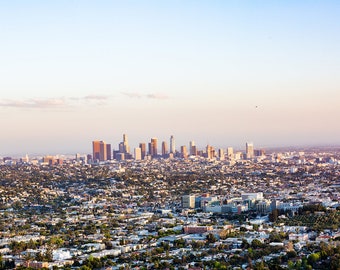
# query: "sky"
217, 72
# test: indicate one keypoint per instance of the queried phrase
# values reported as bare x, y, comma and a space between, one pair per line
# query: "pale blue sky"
75, 71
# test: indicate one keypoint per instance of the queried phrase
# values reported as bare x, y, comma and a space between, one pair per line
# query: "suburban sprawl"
278, 210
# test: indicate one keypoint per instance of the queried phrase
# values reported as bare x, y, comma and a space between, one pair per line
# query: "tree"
179, 243
335, 262
290, 265
256, 227
245, 244
84, 267
108, 244
256, 244
56, 241
31, 244
277, 237
48, 255
93, 262
211, 238
273, 216
260, 266
17, 205
39, 257
197, 244
251, 253
313, 258
17, 247
291, 254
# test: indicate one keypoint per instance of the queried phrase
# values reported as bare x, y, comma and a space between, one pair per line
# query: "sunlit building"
192, 148
249, 150
100, 150
184, 152
142, 147
164, 149
172, 144
230, 153
221, 154
210, 152
188, 201
153, 147
126, 147
96, 150
103, 151
138, 153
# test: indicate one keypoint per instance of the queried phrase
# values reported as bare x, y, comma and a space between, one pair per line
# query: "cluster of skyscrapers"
102, 151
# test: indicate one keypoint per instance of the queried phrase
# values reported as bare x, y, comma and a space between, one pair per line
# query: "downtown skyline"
103, 150
221, 73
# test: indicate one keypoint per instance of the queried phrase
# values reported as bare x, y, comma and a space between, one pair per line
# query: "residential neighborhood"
277, 211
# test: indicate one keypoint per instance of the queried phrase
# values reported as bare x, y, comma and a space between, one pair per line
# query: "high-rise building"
221, 154
164, 149
249, 150
150, 153
184, 152
126, 147
103, 151
99, 149
188, 201
138, 153
120, 156
192, 148
89, 158
25, 159
142, 147
210, 152
230, 153
121, 147
96, 150
108, 152
238, 155
154, 147
194, 151
172, 144
259, 152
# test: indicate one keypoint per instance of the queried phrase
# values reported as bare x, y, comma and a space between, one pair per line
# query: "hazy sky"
217, 72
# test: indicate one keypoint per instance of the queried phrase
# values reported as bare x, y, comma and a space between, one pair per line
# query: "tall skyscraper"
164, 149
150, 153
192, 148
96, 150
184, 152
172, 144
138, 153
259, 153
142, 147
209, 150
121, 147
103, 151
99, 149
230, 153
221, 154
126, 147
108, 152
120, 156
154, 147
249, 150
